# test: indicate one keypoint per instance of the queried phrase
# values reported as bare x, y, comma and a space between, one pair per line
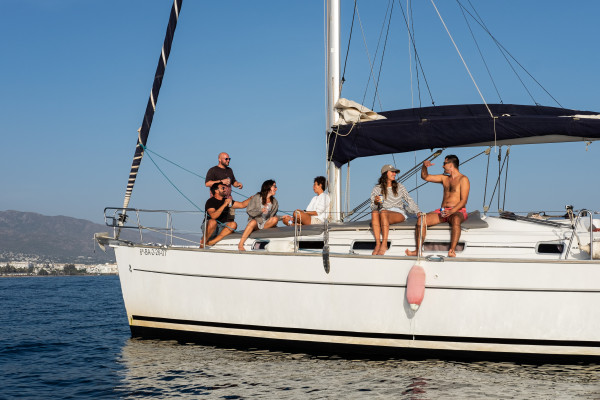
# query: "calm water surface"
67, 337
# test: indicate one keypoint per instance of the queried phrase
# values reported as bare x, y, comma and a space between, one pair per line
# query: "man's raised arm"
425, 174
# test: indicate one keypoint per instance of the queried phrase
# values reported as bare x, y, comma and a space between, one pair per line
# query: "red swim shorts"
463, 211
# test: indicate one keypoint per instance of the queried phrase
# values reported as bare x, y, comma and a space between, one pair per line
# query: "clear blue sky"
76, 76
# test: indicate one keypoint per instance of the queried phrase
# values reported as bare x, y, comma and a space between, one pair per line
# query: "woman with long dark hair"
262, 210
390, 204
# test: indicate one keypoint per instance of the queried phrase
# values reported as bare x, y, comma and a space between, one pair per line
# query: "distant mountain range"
60, 239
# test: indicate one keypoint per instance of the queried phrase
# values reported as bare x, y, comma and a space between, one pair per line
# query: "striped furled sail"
151, 107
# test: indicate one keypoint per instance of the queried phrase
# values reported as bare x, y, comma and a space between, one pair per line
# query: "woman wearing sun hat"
390, 204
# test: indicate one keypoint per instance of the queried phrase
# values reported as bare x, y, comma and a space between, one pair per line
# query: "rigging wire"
391, 11
348, 49
505, 52
487, 172
462, 59
481, 54
497, 185
499, 175
187, 170
417, 58
410, 66
506, 157
362, 30
171, 182
361, 211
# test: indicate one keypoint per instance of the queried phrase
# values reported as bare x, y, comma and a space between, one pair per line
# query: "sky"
248, 78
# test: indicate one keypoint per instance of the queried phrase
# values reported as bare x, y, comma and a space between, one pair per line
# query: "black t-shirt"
216, 174
216, 204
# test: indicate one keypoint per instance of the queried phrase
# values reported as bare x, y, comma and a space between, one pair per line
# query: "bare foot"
376, 250
241, 247
201, 245
451, 253
411, 253
382, 250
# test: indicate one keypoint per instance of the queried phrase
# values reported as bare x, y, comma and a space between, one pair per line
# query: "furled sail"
460, 126
151, 106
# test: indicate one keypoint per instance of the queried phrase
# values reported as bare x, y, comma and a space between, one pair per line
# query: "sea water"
67, 337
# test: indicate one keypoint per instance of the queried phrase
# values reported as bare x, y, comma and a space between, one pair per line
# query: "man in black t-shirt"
219, 222
222, 173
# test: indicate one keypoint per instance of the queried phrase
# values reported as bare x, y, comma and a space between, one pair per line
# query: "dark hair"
453, 159
214, 187
382, 182
265, 188
321, 181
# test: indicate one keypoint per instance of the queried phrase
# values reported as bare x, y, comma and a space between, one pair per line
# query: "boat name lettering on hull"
153, 252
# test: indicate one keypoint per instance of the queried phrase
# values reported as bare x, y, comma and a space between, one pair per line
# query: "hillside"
53, 239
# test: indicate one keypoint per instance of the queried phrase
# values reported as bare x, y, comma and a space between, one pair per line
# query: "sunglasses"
227, 159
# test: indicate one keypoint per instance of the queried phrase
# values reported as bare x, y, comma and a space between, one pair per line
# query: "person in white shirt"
317, 210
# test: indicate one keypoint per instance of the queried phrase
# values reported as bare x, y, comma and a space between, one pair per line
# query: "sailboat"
519, 284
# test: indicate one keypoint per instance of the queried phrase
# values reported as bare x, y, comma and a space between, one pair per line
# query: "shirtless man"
453, 211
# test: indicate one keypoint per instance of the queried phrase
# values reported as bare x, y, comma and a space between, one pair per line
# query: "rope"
420, 244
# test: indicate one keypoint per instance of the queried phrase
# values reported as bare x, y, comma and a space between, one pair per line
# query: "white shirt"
320, 204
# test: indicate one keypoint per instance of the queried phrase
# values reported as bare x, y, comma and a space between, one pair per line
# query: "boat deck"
473, 221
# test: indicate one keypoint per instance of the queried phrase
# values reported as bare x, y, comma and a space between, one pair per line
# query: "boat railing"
165, 227
156, 225
575, 223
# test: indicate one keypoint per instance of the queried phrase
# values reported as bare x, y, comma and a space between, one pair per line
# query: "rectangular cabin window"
550, 248
366, 245
311, 245
260, 245
442, 246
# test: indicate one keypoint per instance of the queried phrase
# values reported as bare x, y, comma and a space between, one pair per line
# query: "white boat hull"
517, 306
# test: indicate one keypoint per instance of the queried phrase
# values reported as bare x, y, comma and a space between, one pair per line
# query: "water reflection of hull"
168, 369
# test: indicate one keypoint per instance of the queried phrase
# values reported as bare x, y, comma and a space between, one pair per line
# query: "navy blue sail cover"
459, 126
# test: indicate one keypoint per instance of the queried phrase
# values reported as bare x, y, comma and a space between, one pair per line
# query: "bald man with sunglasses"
222, 173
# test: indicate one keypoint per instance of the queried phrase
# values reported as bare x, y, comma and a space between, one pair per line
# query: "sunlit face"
273, 189
447, 165
221, 190
391, 175
224, 159
316, 187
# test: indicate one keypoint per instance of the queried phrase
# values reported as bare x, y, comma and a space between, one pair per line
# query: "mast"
333, 93
151, 106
